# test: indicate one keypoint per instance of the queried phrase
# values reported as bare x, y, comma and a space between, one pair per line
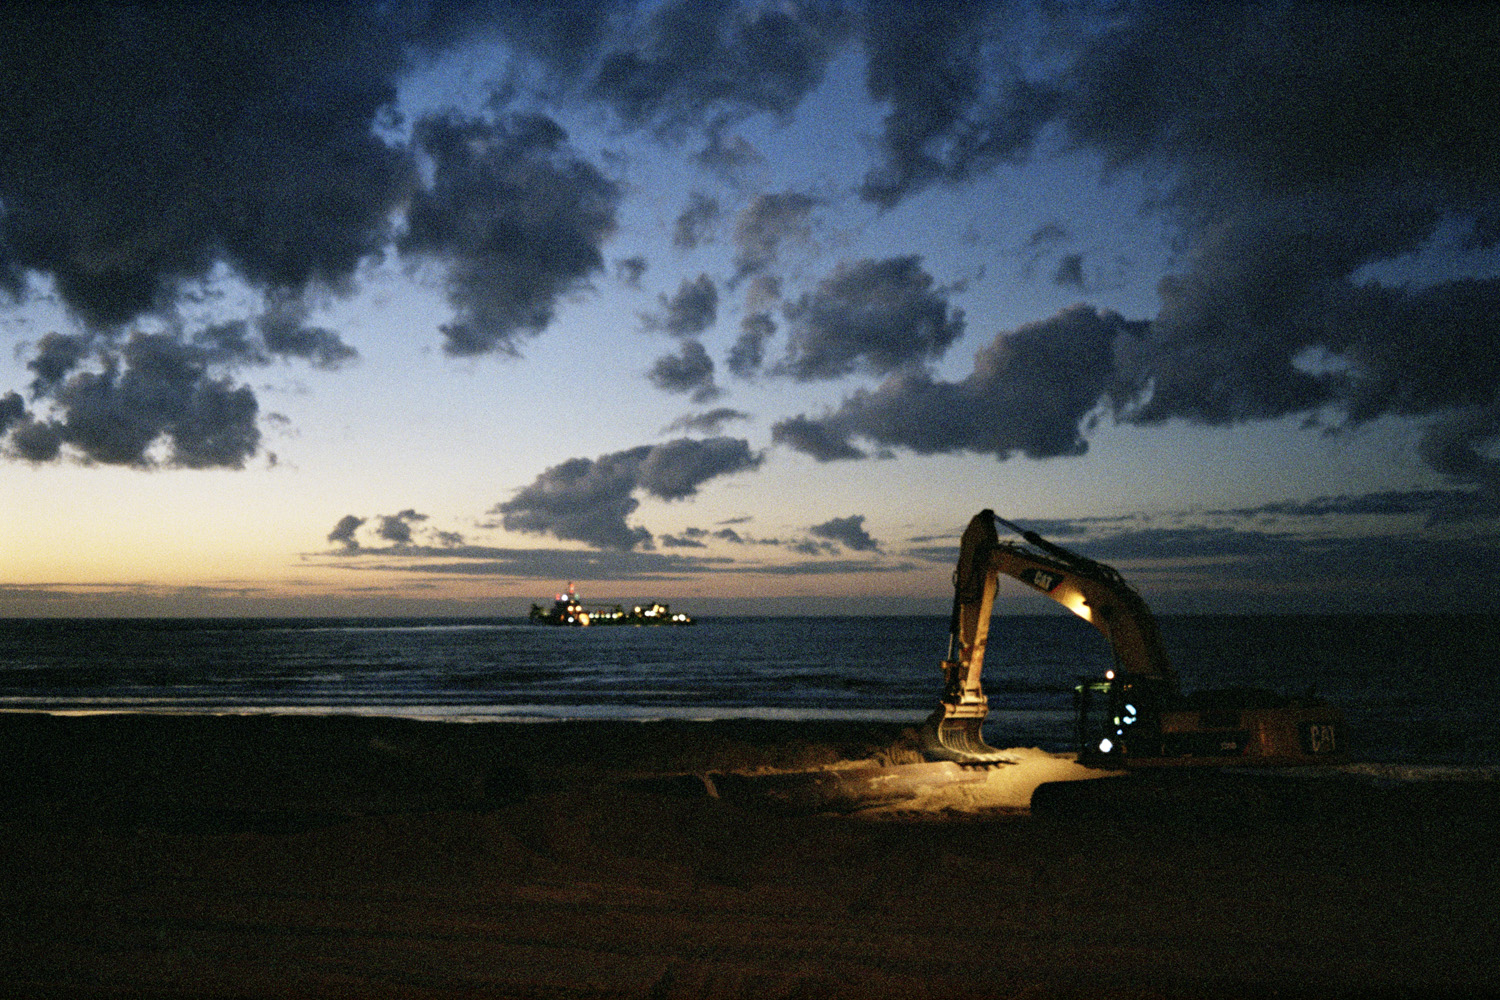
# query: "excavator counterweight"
1142, 716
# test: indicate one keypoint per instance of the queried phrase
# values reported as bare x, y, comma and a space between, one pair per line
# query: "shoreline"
1409, 770
507, 715
301, 856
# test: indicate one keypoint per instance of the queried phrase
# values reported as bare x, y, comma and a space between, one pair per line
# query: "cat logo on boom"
1041, 579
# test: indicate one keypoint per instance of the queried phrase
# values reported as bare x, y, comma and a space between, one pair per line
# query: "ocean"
1418, 691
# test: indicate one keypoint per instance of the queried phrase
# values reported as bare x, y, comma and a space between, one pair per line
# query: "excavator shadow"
1192, 800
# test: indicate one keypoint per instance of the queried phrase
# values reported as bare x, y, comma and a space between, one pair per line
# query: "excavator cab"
1119, 717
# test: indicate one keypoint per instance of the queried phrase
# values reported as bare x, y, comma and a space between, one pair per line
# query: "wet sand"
317, 857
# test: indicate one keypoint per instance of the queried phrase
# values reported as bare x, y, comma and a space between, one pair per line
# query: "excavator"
1135, 715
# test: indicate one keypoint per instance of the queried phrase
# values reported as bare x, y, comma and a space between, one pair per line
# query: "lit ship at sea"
568, 610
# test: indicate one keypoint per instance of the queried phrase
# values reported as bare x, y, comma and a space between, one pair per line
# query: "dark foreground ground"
334, 857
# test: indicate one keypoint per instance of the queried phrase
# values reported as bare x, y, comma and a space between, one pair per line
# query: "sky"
414, 308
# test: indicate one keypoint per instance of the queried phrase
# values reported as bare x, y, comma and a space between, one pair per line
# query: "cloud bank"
1031, 392
1292, 148
589, 500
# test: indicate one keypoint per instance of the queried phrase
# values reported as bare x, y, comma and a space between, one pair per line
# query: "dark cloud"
448, 539
319, 345
695, 224
588, 500
396, 528
1282, 96
585, 500
1069, 271
56, 355
565, 36
153, 391
1045, 237
29, 439
517, 218
1290, 147
1289, 541
630, 270
1457, 446
826, 440
675, 470
343, 531
762, 293
281, 331
871, 315
955, 110
1382, 503
711, 422
764, 225
689, 312
691, 370
1449, 446
728, 158
1056, 529
180, 144
12, 410
1190, 543
697, 59
749, 350
1295, 96
116, 400
260, 342
179, 137
680, 542
847, 531
826, 567
534, 564
1365, 567
36, 441
1293, 145
1369, 567
943, 555
1301, 568
1030, 392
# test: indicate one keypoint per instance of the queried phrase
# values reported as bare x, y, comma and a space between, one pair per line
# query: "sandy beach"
263, 856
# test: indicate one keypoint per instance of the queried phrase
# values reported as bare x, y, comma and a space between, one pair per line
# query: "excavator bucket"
958, 738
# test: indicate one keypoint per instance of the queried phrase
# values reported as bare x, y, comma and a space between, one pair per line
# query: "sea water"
1418, 691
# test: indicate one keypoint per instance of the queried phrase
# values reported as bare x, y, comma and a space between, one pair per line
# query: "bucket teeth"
958, 740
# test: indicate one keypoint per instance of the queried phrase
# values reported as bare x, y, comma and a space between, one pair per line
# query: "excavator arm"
1091, 590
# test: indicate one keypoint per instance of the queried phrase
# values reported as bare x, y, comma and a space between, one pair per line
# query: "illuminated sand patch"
917, 787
